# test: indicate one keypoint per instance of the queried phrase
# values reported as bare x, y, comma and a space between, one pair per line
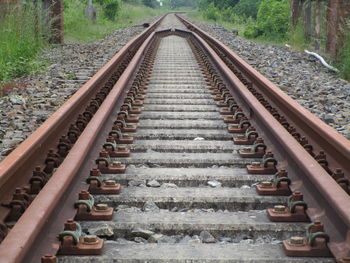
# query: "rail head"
18, 166
321, 186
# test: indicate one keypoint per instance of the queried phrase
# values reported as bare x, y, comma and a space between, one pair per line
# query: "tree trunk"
318, 25
307, 20
296, 11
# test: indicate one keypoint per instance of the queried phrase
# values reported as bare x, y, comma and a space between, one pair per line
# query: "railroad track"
177, 151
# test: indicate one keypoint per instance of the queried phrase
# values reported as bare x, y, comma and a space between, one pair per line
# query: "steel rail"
16, 169
21, 240
22, 237
326, 199
320, 135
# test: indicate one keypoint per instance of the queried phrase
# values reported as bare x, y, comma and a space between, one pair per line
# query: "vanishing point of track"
186, 153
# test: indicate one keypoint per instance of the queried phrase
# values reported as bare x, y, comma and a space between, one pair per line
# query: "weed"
22, 35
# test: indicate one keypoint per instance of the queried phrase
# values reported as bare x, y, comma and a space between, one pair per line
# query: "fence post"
296, 10
338, 12
55, 20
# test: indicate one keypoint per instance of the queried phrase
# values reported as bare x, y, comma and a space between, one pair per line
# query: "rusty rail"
327, 201
16, 169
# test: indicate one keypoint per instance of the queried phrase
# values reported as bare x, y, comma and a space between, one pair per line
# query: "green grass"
21, 38
235, 24
78, 29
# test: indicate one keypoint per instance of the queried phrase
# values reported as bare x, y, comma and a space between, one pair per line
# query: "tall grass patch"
22, 35
344, 57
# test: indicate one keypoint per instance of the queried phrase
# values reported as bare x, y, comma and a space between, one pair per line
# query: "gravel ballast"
37, 96
299, 75
302, 77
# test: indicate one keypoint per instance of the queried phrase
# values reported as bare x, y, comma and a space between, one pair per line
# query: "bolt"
282, 173
70, 225
84, 195
48, 258
116, 164
256, 164
104, 154
316, 227
110, 182
101, 207
90, 239
95, 172
266, 184
297, 196
247, 149
279, 209
296, 241
122, 148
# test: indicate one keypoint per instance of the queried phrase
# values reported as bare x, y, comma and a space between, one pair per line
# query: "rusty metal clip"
115, 150
105, 165
121, 125
267, 166
314, 245
279, 185
100, 187
73, 243
87, 210
243, 125
295, 212
248, 138
256, 151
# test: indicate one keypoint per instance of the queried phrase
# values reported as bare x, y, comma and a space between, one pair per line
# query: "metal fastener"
279, 209
101, 207
116, 164
255, 164
90, 239
266, 184
110, 182
296, 241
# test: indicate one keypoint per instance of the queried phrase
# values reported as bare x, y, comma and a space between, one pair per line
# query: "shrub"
247, 8
212, 13
273, 18
150, 3
111, 8
252, 31
344, 56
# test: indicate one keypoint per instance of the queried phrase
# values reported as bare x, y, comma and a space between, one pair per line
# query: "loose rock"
153, 183
144, 233
206, 237
150, 206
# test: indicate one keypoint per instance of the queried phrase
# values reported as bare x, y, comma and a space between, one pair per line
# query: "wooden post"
317, 24
55, 20
338, 12
307, 20
296, 11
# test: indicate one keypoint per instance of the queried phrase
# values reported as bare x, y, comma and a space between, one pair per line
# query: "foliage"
344, 54
173, 4
80, 29
212, 13
22, 35
272, 20
247, 8
221, 4
150, 3
111, 8
297, 37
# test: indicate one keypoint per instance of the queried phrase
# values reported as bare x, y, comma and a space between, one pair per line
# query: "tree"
150, 3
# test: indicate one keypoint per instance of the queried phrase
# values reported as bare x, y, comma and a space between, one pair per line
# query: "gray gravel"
300, 76
25, 108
